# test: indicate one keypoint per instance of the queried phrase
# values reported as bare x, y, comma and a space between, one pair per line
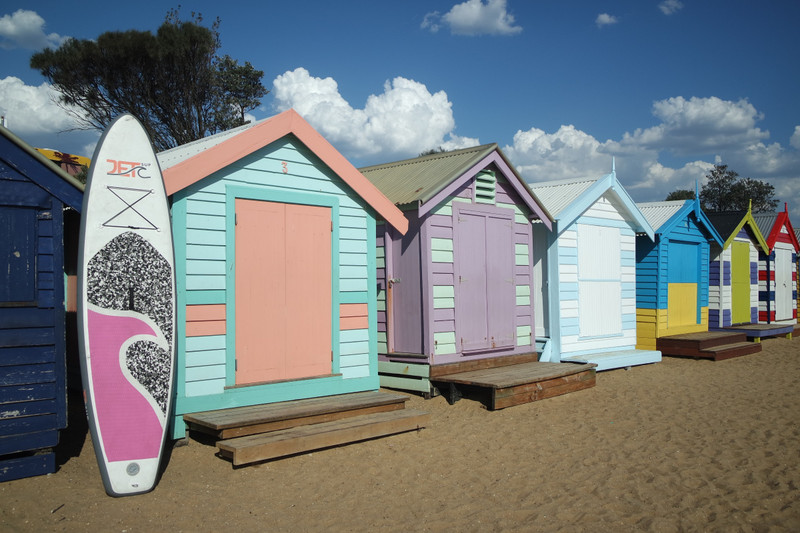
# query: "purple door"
485, 294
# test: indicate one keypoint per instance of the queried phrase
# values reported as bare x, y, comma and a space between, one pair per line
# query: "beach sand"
682, 445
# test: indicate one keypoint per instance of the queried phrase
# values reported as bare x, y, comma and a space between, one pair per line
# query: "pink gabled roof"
232, 149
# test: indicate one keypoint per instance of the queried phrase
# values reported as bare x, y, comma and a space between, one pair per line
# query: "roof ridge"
429, 157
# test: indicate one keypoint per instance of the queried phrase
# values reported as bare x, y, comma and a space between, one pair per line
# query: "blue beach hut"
37, 200
672, 271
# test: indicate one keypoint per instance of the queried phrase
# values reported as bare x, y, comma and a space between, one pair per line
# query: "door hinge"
236, 219
236, 365
331, 356
331, 226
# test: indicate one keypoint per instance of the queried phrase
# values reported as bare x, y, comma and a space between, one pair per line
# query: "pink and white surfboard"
126, 308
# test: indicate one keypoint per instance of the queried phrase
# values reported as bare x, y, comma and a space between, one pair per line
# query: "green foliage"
680, 194
432, 151
726, 191
173, 81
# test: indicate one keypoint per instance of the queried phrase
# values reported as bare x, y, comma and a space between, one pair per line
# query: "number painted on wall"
285, 167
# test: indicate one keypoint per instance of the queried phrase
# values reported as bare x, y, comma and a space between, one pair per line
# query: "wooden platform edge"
540, 390
261, 447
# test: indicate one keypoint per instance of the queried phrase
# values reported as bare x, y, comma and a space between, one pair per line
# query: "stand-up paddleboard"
126, 308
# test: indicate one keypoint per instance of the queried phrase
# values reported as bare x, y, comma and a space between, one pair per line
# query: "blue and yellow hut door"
683, 276
740, 283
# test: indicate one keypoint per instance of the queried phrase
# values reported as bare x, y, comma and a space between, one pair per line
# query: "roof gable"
429, 179
665, 216
771, 224
188, 164
729, 225
567, 200
34, 166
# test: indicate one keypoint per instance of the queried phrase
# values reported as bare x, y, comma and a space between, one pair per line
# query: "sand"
682, 445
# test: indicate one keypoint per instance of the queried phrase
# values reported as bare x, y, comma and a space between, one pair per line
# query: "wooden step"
521, 383
254, 448
241, 421
728, 351
482, 364
690, 344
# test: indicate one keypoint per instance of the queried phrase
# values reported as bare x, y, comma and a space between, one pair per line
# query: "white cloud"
699, 126
473, 17
431, 21
701, 131
795, 140
604, 19
25, 29
669, 7
403, 121
567, 153
31, 110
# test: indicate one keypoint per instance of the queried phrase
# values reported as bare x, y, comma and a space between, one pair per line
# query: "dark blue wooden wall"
33, 396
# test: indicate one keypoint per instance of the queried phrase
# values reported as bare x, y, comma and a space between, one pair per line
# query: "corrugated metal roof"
765, 222
726, 222
556, 195
173, 156
419, 179
658, 213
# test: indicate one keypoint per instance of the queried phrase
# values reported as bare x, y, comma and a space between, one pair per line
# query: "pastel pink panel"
283, 291
353, 316
205, 320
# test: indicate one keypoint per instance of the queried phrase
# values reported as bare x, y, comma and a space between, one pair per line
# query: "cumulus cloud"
604, 19
669, 7
700, 131
795, 140
567, 153
31, 110
403, 121
700, 126
473, 17
25, 29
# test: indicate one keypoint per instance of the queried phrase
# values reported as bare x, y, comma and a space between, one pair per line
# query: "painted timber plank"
22, 467
254, 448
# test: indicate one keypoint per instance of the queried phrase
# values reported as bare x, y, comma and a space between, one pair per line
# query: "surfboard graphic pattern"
128, 274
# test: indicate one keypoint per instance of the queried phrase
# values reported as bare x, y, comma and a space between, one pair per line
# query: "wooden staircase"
261, 432
716, 345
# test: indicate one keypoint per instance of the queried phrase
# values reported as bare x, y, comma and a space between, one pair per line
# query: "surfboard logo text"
128, 169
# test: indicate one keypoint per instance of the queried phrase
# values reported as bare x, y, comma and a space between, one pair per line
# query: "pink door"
283, 291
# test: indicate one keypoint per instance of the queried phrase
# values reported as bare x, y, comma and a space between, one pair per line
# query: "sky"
665, 88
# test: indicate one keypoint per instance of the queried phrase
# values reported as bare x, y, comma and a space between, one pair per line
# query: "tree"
724, 190
172, 81
243, 89
680, 194
432, 151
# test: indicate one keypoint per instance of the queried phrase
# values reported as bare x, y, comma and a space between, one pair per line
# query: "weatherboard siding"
657, 270
437, 339
606, 333
202, 240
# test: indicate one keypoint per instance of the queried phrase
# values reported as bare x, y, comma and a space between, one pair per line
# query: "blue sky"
667, 87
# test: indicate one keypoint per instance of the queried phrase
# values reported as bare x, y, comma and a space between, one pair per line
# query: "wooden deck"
261, 432
716, 345
518, 383
404, 374
759, 331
